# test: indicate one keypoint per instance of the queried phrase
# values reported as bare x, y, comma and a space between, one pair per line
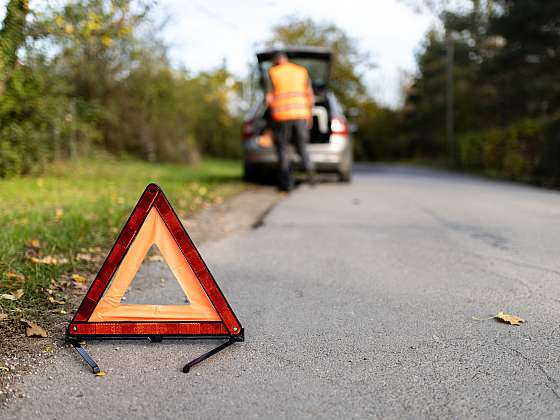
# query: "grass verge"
56, 229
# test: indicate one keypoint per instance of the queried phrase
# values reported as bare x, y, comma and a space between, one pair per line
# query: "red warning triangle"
102, 313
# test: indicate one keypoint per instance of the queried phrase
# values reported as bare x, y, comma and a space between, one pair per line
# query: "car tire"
250, 173
345, 176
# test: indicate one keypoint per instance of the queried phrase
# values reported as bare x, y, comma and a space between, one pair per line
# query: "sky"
202, 34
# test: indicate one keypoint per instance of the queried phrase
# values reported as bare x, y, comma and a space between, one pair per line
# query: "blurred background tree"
27, 98
90, 74
506, 87
350, 63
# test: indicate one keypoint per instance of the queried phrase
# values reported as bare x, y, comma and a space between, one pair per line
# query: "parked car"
330, 145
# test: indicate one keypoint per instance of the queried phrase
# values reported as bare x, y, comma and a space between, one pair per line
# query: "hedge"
528, 150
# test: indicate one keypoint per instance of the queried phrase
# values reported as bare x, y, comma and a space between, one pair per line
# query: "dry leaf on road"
509, 319
33, 330
3, 317
503, 317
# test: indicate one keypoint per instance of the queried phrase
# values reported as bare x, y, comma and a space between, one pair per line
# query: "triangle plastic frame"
227, 327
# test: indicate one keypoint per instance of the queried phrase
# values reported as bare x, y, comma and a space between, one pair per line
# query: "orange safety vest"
290, 92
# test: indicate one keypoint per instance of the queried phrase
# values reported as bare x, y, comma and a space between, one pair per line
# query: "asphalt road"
357, 302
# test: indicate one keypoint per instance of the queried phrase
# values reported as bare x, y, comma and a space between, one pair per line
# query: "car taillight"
247, 130
339, 126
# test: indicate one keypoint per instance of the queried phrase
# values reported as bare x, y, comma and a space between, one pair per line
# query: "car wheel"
250, 173
345, 176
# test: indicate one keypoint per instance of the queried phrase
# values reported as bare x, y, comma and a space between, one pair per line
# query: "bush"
526, 150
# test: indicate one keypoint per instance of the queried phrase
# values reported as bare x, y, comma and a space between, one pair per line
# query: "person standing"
290, 101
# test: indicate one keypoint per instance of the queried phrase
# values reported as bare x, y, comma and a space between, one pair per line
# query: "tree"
524, 69
26, 106
12, 37
350, 64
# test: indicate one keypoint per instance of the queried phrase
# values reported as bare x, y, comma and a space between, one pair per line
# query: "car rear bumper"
333, 156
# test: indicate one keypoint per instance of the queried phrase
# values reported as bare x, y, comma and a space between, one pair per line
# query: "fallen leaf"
34, 330
58, 285
4, 368
79, 279
101, 373
79, 286
34, 243
502, 316
59, 213
85, 257
12, 296
3, 317
49, 260
509, 319
93, 250
48, 348
55, 302
12, 275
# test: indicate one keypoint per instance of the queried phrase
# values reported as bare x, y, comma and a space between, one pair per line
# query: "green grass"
82, 204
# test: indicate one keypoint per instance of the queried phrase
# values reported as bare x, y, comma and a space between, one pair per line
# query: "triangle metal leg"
85, 355
205, 356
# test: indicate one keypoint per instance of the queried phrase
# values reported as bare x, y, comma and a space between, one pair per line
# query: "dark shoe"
284, 189
286, 183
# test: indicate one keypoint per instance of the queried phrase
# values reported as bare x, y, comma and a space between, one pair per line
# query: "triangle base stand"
155, 339
205, 356
86, 356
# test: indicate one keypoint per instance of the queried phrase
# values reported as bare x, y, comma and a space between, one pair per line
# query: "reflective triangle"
102, 311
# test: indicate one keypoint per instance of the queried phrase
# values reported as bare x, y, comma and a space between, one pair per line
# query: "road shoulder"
21, 356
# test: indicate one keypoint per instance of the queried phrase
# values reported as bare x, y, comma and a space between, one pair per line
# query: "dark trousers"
291, 132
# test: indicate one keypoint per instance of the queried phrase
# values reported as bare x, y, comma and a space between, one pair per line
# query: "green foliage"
519, 151
87, 74
506, 89
349, 63
379, 134
28, 102
524, 70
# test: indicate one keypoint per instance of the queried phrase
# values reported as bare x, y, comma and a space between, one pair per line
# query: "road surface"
358, 302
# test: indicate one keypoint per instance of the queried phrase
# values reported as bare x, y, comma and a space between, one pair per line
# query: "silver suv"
330, 145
